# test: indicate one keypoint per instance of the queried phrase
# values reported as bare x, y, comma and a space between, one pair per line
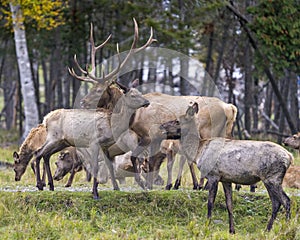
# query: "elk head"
176, 128
19, 168
293, 141
106, 90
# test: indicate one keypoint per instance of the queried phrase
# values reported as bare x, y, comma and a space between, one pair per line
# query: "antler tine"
81, 78
150, 40
111, 74
121, 64
78, 66
94, 49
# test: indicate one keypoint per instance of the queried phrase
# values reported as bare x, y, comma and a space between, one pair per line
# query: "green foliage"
277, 27
40, 14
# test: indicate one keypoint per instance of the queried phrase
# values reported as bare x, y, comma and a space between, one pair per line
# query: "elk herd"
125, 133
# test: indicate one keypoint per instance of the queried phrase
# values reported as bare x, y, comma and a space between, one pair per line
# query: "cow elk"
233, 161
217, 117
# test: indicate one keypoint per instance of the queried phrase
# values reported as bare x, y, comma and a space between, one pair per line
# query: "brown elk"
217, 117
232, 161
88, 129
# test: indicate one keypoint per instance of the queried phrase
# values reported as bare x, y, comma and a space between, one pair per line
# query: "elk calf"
233, 161
69, 161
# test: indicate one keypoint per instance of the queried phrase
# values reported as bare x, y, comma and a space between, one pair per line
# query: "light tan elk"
217, 117
232, 161
88, 129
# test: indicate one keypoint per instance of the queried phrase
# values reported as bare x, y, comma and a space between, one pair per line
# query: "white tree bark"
27, 85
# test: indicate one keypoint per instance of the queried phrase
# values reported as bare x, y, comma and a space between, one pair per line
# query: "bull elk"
217, 117
87, 129
232, 161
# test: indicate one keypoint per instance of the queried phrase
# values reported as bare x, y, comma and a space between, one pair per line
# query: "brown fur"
35, 139
292, 177
33, 142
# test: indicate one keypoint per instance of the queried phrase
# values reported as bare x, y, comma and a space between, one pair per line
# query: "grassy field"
26, 213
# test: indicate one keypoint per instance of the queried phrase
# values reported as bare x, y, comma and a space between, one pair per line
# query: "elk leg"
95, 188
284, 200
228, 196
159, 158
39, 183
88, 175
44, 175
201, 183
213, 189
70, 180
275, 204
238, 187
135, 153
194, 178
110, 167
48, 171
33, 166
149, 179
137, 175
252, 187
170, 169
179, 175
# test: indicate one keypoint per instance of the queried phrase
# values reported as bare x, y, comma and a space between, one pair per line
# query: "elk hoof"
96, 197
169, 186
177, 184
40, 186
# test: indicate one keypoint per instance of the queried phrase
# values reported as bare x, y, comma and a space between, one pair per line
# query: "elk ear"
123, 87
135, 83
195, 107
192, 109
15, 155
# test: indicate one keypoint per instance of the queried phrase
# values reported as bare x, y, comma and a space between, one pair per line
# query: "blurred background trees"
249, 49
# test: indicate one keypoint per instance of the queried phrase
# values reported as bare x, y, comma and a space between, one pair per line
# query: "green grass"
138, 215
157, 214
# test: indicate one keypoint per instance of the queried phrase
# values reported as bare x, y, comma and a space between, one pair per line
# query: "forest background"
249, 48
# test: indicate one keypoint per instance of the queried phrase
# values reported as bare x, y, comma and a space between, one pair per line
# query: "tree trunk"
27, 85
285, 92
294, 104
268, 106
209, 64
248, 88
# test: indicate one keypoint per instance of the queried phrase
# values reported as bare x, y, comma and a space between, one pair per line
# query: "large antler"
86, 75
90, 76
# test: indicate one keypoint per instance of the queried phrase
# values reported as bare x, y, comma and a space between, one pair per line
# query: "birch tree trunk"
27, 85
